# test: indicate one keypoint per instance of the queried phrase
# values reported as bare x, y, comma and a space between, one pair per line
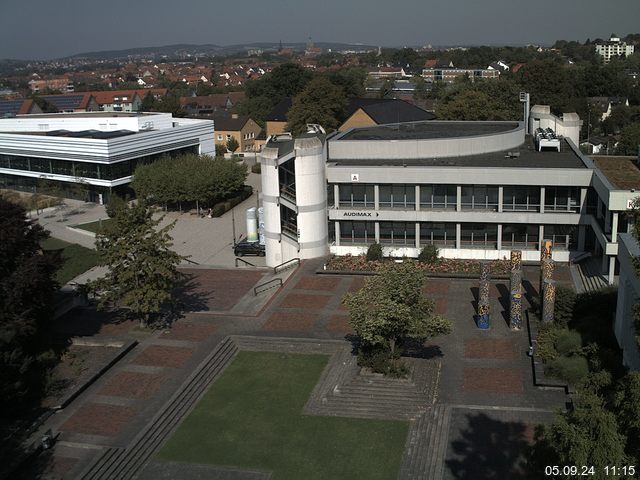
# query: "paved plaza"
472, 411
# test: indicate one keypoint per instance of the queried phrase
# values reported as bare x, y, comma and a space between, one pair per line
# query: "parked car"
248, 248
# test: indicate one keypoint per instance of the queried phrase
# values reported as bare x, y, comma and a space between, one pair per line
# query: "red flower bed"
359, 263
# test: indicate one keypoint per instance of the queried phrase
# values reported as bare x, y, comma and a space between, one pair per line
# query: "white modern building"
628, 298
100, 150
614, 48
474, 189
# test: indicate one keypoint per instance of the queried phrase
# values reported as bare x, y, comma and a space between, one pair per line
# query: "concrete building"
98, 150
614, 48
476, 190
450, 74
628, 298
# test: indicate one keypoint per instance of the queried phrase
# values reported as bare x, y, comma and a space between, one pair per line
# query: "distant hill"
181, 50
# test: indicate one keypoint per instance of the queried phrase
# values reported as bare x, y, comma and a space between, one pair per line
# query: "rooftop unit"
546, 138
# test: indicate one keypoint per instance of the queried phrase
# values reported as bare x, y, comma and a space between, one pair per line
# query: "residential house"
366, 112
276, 121
614, 48
11, 108
242, 128
388, 72
62, 84
209, 104
449, 74
73, 102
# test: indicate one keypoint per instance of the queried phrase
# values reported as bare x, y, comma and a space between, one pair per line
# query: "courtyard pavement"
485, 388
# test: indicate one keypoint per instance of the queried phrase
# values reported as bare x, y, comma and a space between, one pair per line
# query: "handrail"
287, 264
243, 261
191, 261
273, 280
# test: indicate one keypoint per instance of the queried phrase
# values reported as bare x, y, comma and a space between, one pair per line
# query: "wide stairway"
588, 273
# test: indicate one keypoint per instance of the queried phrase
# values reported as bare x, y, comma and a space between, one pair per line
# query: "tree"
320, 102
391, 308
220, 150
629, 140
142, 268
232, 144
27, 286
588, 435
626, 406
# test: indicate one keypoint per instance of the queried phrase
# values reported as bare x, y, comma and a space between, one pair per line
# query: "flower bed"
359, 263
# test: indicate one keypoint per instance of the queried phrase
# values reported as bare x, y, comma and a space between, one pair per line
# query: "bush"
218, 210
379, 360
227, 206
256, 168
564, 306
546, 340
246, 192
568, 342
114, 205
429, 254
573, 370
374, 253
235, 201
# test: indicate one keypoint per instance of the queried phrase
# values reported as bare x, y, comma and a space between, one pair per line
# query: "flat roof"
90, 114
526, 156
95, 134
622, 172
427, 130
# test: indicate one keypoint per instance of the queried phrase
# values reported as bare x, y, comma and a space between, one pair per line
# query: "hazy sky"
43, 29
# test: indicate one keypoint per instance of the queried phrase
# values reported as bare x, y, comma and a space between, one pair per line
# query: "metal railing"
285, 265
243, 261
263, 287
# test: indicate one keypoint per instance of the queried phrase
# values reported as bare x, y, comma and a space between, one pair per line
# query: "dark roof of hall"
427, 130
528, 157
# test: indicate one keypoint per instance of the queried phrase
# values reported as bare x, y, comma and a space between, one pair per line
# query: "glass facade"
398, 233
440, 234
355, 195
522, 237
564, 237
562, 199
357, 233
521, 199
479, 197
397, 196
478, 235
73, 168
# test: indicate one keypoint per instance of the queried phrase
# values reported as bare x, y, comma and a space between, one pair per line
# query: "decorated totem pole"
483, 296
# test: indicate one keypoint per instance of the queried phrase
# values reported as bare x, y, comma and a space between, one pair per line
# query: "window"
438, 197
398, 233
525, 199
523, 237
440, 234
478, 235
562, 199
479, 197
354, 195
397, 196
219, 137
360, 233
562, 236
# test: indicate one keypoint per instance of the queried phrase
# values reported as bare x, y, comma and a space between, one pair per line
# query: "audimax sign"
359, 214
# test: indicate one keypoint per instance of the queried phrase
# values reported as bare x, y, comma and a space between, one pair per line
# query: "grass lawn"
252, 418
77, 259
94, 226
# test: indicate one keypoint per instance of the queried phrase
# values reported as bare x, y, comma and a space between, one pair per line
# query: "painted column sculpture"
515, 306
516, 259
483, 296
545, 256
549, 302
546, 273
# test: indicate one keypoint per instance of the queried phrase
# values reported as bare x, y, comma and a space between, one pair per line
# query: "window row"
444, 197
71, 168
474, 235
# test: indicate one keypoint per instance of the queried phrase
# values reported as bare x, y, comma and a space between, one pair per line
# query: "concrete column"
583, 201
376, 197
614, 227
540, 236
499, 236
458, 235
581, 237
541, 200
458, 198
500, 198
612, 269
417, 198
336, 195
417, 235
377, 230
337, 229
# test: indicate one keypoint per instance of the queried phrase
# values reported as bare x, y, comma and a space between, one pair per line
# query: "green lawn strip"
76, 259
252, 418
94, 226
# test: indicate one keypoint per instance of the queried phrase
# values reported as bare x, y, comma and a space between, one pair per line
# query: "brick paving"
189, 331
493, 380
339, 324
99, 419
499, 348
132, 385
327, 284
298, 300
163, 356
291, 322
220, 290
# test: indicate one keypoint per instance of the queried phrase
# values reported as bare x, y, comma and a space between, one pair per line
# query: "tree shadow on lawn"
488, 449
